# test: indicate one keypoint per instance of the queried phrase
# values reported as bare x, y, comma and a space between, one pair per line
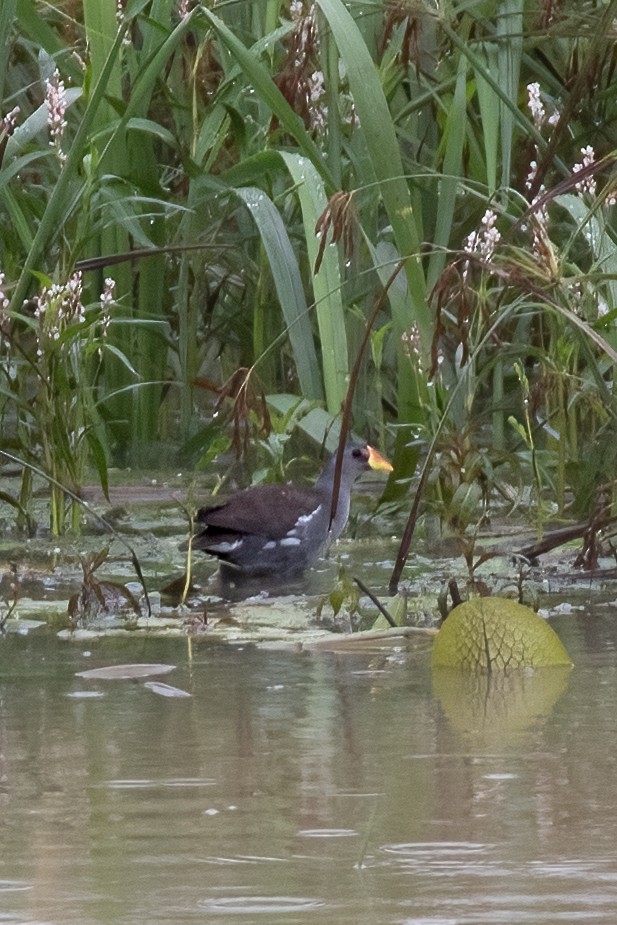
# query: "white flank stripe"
306, 518
227, 547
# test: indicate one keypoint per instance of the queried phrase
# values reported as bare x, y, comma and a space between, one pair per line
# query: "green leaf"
383, 149
317, 423
100, 460
465, 506
7, 15
326, 282
52, 217
495, 634
288, 283
36, 123
454, 137
149, 127
490, 109
264, 86
510, 28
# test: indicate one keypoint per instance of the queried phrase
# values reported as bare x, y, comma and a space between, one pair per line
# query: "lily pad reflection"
497, 708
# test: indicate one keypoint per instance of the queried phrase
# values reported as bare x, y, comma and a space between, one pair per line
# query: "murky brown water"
297, 787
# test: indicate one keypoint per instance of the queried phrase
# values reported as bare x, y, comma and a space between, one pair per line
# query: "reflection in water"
496, 708
292, 787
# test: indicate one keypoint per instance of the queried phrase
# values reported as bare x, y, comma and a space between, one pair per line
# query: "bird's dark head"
357, 458
368, 458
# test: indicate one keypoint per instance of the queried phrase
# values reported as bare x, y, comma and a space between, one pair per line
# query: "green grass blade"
383, 149
151, 69
7, 15
479, 66
33, 24
593, 229
385, 259
288, 283
454, 137
54, 211
19, 224
490, 112
110, 157
101, 30
326, 283
510, 33
267, 90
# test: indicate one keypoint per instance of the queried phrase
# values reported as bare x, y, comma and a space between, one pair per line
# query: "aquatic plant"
247, 178
493, 634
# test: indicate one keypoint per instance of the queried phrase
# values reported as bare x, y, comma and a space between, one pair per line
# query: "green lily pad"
495, 634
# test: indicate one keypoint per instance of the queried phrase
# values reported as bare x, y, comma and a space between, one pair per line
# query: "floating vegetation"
166, 690
123, 672
491, 634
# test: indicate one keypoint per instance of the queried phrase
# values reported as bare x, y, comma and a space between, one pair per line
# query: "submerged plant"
100, 599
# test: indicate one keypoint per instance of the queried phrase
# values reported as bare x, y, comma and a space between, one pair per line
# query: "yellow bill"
377, 461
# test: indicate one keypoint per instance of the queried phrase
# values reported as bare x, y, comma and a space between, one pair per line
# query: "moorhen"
280, 530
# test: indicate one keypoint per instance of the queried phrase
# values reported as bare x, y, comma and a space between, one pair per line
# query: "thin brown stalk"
353, 379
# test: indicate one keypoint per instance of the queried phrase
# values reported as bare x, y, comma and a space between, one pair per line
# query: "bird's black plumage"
282, 529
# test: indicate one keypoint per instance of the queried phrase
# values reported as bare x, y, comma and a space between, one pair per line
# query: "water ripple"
145, 783
14, 886
260, 905
436, 849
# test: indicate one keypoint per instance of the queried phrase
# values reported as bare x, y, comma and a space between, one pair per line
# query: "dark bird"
280, 530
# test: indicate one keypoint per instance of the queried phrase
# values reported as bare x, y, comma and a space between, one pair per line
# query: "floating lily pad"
23, 627
165, 690
495, 634
122, 672
85, 695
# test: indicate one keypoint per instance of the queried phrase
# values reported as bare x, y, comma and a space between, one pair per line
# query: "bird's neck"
324, 485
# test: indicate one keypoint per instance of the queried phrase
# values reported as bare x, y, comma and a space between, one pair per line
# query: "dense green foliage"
240, 181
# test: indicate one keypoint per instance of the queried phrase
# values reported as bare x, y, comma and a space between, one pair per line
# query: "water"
305, 787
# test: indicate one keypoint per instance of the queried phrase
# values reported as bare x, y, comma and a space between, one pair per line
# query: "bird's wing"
265, 510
